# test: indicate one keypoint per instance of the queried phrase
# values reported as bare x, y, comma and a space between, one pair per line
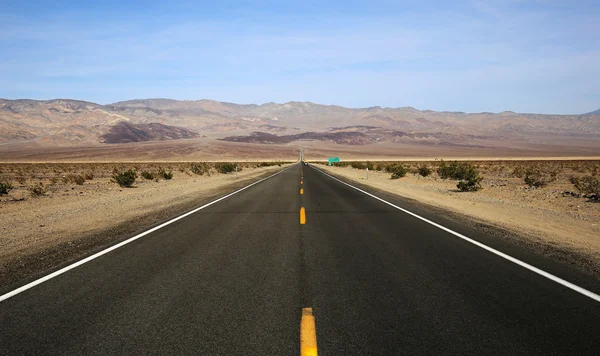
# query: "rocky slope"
125, 132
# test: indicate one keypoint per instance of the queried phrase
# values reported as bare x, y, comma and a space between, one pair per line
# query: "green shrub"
453, 170
398, 171
537, 177
588, 185
471, 181
166, 175
424, 170
125, 179
226, 167
466, 173
5, 187
147, 175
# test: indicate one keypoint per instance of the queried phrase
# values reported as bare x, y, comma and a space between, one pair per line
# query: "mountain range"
73, 123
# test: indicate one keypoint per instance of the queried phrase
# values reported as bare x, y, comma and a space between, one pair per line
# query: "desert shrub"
424, 170
166, 175
53, 180
471, 181
467, 174
125, 179
358, 165
76, 178
88, 176
338, 164
21, 179
5, 187
398, 171
37, 191
518, 171
147, 175
200, 168
454, 170
225, 167
537, 177
588, 185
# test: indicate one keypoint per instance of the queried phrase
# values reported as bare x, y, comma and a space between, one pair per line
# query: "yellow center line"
301, 191
302, 216
308, 334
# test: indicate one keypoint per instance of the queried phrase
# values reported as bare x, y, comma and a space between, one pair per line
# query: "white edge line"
542, 273
123, 243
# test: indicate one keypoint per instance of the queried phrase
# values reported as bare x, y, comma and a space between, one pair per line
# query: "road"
234, 277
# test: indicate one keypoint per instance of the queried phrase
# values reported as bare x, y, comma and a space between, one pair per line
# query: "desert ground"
206, 149
58, 211
554, 215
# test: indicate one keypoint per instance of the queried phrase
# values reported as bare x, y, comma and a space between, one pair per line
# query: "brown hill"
73, 123
124, 132
347, 138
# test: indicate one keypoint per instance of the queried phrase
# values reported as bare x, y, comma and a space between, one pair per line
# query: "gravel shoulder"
41, 234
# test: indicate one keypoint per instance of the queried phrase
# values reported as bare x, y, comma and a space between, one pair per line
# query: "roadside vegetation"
21, 181
5, 188
588, 186
556, 175
469, 179
125, 179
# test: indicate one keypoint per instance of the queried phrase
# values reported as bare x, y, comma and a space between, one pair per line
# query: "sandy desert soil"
215, 150
69, 219
544, 215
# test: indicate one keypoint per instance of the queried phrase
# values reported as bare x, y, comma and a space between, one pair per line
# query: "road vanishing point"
301, 263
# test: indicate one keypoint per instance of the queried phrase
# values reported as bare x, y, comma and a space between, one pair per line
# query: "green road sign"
331, 160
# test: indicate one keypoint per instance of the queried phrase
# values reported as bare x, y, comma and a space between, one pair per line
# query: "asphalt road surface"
233, 279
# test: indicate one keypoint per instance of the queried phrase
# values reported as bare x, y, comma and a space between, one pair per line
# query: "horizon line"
306, 102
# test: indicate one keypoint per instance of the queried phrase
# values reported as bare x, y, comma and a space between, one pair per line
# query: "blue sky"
523, 55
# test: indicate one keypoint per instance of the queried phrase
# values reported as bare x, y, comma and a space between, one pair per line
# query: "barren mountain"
347, 138
72, 123
124, 132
